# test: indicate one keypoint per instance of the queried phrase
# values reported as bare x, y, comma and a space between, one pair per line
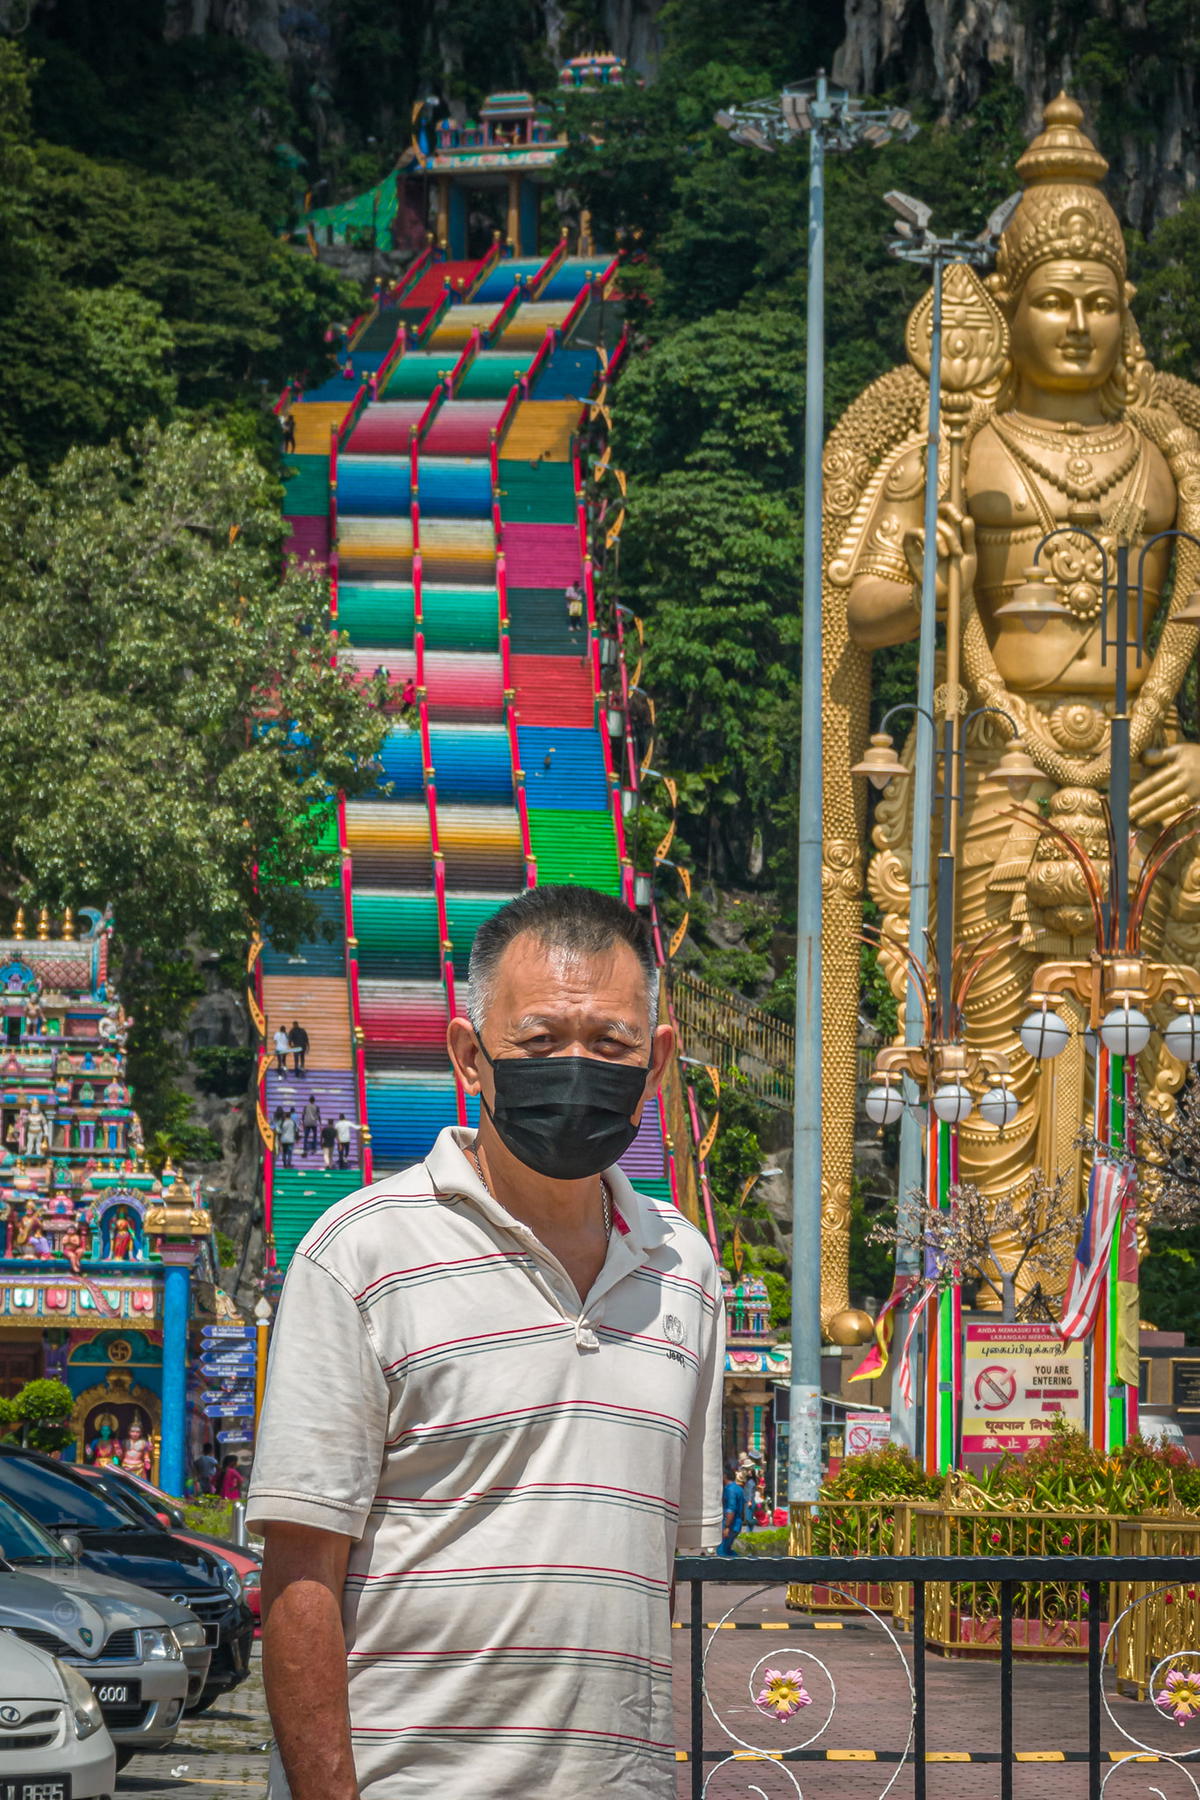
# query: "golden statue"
1056, 419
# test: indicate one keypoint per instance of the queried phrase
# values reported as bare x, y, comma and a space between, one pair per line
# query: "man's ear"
465, 1054
662, 1047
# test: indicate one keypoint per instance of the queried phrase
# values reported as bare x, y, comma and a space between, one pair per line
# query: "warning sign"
1017, 1379
866, 1431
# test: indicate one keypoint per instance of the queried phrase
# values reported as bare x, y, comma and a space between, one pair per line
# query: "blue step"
564, 768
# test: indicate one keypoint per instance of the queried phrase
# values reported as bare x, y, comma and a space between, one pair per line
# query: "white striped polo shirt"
516, 1472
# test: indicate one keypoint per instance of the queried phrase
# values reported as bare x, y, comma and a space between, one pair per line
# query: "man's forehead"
561, 972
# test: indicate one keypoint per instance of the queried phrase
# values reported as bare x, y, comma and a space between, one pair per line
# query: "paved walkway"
218, 1755
855, 1729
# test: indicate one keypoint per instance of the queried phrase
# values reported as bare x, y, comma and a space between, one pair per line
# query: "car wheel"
208, 1698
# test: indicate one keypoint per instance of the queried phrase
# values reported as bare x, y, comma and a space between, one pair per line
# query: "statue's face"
1066, 332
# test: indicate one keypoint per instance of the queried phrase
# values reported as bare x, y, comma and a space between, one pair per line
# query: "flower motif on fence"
783, 1693
1180, 1696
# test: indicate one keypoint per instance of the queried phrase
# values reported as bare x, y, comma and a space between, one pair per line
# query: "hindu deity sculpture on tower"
81, 1266
1059, 421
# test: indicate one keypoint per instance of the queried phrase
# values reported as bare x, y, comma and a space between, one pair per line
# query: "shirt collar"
452, 1172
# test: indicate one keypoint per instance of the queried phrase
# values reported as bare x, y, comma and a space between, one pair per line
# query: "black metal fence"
1006, 1578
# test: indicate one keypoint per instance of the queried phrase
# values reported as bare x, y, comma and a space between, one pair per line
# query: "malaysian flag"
1106, 1196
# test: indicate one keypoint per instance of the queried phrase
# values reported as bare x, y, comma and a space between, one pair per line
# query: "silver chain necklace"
605, 1193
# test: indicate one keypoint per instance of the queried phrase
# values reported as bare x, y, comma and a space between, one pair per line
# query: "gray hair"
577, 919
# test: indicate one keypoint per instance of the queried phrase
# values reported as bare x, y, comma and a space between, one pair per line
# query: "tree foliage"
173, 727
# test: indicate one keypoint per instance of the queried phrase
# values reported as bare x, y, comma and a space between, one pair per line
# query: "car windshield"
60, 1501
22, 1540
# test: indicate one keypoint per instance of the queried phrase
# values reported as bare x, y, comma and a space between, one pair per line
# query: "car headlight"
85, 1708
233, 1581
159, 1646
191, 1636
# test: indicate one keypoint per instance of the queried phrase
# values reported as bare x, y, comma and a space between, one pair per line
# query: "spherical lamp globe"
1044, 1033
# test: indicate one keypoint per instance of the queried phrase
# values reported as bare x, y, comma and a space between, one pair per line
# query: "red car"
151, 1506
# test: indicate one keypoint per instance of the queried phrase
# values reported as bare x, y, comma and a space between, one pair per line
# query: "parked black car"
113, 1541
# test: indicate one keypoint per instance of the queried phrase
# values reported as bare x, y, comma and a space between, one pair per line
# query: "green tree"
173, 726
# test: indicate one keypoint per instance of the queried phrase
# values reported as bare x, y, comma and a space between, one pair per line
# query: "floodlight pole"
831, 119
804, 1422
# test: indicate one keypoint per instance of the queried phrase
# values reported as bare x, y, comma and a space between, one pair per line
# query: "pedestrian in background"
231, 1483
282, 1046
733, 1510
493, 1413
328, 1140
287, 1136
298, 1041
310, 1118
206, 1469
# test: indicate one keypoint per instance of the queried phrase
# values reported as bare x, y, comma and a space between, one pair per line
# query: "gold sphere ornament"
851, 1326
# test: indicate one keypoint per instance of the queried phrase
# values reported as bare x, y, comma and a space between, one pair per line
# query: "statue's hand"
955, 538
1172, 786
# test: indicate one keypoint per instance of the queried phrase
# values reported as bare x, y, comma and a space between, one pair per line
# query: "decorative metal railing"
797, 1693
721, 1028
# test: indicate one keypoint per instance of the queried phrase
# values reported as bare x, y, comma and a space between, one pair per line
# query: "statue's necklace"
1076, 478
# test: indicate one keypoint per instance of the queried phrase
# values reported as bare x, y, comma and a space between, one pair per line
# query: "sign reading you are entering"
1017, 1380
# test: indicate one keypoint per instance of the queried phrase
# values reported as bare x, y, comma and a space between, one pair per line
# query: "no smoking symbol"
995, 1388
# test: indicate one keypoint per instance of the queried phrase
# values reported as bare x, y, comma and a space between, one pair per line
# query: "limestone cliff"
1135, 73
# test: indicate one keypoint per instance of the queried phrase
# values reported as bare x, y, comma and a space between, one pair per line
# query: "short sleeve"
323, 1429
700, 1515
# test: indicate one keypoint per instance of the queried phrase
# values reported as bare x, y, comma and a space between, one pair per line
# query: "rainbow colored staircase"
442, 489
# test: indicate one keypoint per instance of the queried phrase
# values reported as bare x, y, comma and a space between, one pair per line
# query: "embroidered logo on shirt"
673, 1328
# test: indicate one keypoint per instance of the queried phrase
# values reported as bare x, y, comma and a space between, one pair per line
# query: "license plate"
117, 1693
36, 1787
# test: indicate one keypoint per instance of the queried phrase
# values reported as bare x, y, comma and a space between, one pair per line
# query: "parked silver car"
53, 1741
144, 1655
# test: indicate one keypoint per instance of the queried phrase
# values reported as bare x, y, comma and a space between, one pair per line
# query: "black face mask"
565, 1116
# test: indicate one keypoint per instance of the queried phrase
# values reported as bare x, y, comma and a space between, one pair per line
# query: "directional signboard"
240, 1411
228, 1331
227, 1365
235, 1437
236, 1400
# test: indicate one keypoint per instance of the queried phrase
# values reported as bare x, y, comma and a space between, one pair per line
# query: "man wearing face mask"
493, 1413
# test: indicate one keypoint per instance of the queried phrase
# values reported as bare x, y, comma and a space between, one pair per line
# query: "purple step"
308, 540
645, 1156
336, 1092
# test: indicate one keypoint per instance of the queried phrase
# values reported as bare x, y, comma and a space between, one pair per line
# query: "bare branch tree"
1165, 1155
1035, 1221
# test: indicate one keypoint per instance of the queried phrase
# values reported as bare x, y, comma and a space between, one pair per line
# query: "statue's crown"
1063, 212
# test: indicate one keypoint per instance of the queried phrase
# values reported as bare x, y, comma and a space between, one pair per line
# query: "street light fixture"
831, 120
1117, 982
917, 243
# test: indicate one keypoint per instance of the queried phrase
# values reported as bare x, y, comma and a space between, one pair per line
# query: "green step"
299, 1197
397, 936
380, 616
416, 375
465, 618
541, 496
380, 334
575, 847
491, 374
465, 913
654, 1189
306, 487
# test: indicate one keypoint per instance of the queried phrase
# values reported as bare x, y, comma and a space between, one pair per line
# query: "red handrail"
357, 1034
484, 267
557, 255
466, 357
549, 343
512, 300
412, 275
574, 312
516, 394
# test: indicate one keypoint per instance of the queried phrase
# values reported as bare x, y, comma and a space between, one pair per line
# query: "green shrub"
44, 1409
771, 1542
